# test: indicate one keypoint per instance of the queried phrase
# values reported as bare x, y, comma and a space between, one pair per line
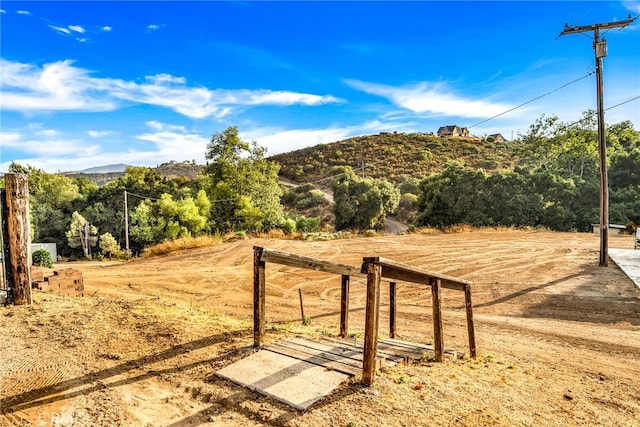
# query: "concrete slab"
629, 261
291, 381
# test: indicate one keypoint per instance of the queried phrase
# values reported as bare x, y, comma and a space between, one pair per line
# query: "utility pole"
600, 48
126, 222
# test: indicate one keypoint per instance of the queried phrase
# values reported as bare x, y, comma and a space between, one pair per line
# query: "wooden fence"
375, 269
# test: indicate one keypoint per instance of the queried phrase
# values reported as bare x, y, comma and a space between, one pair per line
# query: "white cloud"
106, 28
47, 133
173, 143
23, 12
3, 11
61, 86
433, 98
165, 78
153, 27
100, 133
60, 29
632, 5
46, 145
77, 29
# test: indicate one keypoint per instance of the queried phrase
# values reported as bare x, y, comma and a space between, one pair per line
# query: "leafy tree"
109, 245
81, 234
361, 203
242, 183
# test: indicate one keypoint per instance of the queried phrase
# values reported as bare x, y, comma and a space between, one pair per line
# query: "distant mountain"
105, 169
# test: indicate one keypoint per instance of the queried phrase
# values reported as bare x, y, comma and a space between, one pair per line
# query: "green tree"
81, 234
109, 245
240, 180
361, 203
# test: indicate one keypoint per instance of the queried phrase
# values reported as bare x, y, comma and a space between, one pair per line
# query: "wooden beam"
399, 271
437, 319
344, 305
392, 309
374, 273
18, 224
470, 328
259, 292
292, 260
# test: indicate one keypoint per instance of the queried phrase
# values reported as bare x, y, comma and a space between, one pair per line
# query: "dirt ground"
558, 337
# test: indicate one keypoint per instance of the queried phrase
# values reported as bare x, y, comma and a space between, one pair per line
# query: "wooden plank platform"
346, 356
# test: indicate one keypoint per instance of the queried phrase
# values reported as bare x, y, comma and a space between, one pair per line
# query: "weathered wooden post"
470, 328
344, 306
392, 309
18, 225
258, 296
436, 286
374, 274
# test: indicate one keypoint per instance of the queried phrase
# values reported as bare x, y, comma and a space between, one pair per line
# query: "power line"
533, 99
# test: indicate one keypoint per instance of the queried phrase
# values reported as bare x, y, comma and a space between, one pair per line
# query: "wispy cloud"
100, 133
61, 30
106, 28
152, 27
23, 12
48, 144
61, 86
431, 98
77, 29
174, 142
632, 5
3, 11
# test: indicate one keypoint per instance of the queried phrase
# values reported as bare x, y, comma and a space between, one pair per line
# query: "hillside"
394, 156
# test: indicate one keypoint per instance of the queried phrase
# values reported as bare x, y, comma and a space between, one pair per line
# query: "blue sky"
90, 83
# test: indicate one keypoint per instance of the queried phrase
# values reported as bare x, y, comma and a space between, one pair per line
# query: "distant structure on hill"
453, 130
495, 137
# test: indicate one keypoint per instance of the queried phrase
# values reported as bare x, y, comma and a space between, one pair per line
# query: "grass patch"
183, 243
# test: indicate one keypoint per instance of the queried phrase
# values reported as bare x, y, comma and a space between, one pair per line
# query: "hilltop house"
453, 131
496, 137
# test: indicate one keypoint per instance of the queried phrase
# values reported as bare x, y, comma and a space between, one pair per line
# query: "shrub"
42, 258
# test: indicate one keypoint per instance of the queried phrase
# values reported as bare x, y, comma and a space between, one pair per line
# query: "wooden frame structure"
377, 268
261, 256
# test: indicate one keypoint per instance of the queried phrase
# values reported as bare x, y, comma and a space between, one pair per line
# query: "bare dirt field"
558, 337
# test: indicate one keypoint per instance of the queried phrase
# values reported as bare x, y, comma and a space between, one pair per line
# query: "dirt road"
558, 337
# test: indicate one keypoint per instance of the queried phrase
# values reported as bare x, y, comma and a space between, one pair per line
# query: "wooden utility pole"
18, 239
126, 222
600, 48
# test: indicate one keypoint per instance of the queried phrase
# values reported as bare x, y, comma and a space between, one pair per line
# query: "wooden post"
392, 309
437, 319
470, 328
301, 306
7, 277
374, 273
344, 306
17, 193
258, 296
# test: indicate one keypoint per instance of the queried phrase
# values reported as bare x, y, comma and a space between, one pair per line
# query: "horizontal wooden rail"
292, 260
398, 271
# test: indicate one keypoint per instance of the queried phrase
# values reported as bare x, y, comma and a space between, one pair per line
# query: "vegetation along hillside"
547, 178
394, 156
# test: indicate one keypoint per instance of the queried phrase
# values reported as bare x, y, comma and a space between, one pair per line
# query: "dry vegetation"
558, 337
396, 157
